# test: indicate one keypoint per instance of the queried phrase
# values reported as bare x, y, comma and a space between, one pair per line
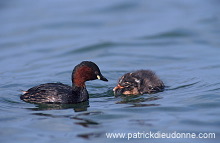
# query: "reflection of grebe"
61, 93
139, 82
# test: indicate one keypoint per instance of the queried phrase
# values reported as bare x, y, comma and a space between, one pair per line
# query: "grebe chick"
139, 82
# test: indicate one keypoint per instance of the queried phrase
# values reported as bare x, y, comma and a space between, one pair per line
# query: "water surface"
41, 41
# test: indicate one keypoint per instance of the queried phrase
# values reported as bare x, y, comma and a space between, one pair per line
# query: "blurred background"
41, 41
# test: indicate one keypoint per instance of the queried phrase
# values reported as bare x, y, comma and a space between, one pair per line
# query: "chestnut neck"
79, 78
80, 75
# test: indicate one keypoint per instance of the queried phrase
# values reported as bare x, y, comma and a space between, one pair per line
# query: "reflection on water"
90, 135
76, 107
144, 105
136, 100
85, 122
80, 121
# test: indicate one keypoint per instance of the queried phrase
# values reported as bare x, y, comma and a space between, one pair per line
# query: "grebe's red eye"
96, 72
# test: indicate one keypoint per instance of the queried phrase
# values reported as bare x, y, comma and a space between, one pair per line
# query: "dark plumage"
65, 94
139, 82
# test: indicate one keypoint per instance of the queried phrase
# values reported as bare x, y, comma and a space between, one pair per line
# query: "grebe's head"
86, 71
128, 84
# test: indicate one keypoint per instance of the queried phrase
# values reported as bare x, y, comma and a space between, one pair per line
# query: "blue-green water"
41, 41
